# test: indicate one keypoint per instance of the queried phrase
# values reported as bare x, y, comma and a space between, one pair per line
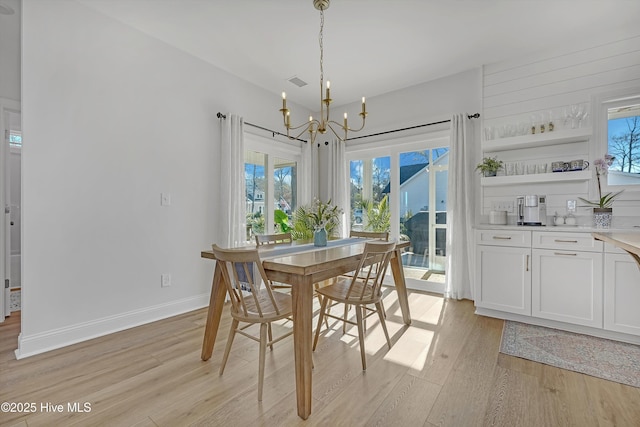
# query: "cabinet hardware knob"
565, 241
560, 253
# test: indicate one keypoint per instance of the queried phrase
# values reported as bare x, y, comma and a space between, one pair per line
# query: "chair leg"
326, 321
232, 334
361, 336
346, 315
263, 350
270, 334
379, 309
323, 307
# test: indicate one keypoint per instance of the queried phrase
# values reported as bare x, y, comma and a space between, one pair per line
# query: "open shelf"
564, 136
536, 178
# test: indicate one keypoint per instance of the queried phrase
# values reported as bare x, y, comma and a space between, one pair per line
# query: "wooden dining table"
302, 266
630, 242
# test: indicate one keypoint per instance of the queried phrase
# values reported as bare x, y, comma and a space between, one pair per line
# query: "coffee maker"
532, 210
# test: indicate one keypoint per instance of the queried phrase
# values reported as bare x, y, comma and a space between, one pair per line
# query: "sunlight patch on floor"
412, 349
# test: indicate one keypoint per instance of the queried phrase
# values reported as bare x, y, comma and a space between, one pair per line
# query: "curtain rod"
470, 116
222, 116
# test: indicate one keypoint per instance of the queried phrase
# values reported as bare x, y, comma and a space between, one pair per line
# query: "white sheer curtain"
333, 178
232, 223
460, 210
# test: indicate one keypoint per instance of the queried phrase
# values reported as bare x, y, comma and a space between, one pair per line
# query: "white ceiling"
370, 46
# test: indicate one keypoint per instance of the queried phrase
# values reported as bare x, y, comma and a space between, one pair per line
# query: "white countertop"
563, 228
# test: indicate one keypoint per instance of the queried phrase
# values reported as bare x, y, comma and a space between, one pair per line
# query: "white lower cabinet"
557, 276
503, 271
621, 292
567, 278
567, 286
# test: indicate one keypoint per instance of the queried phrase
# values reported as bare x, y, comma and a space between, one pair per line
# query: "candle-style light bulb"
284, 101
363, 107
345, 121
328, 96
288, 119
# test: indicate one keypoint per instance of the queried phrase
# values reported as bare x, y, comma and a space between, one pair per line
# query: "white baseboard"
30, 345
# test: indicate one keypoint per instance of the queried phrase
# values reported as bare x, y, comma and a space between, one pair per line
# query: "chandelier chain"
320, 36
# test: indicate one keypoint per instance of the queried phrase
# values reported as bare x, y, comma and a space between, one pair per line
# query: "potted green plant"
316, 221
602, 208
489, 166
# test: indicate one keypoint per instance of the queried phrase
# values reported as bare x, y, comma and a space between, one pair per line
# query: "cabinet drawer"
566, 241
520, 238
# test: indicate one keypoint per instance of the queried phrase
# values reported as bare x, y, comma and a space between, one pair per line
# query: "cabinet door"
621, 294
503, 279
567, 286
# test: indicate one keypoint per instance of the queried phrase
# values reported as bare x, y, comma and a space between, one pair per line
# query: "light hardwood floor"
444, 369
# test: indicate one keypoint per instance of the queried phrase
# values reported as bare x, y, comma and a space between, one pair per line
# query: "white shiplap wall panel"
568, 79
542, 62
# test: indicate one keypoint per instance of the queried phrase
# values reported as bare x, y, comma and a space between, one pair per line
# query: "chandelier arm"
305, 124
344, 138
349, 129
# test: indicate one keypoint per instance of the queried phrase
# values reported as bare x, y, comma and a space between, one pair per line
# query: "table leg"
401, 286
302, 297
216, 304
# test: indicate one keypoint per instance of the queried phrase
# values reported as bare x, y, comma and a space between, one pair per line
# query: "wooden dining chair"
273, 239
280, 239
251, 302
382, 235
361, 290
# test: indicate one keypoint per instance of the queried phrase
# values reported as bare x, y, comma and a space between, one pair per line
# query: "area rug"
598, 357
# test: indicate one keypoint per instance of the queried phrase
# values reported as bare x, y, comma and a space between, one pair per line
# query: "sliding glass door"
405, 192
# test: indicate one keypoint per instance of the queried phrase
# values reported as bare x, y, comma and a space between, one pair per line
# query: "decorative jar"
320, 237
602, 217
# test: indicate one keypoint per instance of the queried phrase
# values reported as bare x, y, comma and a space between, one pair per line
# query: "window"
271, 182
623, 136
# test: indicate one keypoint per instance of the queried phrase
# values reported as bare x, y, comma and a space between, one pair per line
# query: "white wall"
112, 118
549, 81
10, 52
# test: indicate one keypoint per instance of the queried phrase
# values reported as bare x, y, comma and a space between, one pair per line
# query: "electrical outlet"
165, 280
503, 205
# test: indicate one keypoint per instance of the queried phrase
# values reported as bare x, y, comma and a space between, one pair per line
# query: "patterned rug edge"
598, 357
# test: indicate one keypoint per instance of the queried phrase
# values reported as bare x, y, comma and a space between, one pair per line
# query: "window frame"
392, 147
600, 107
272, 148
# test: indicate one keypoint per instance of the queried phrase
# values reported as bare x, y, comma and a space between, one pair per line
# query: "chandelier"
315, 126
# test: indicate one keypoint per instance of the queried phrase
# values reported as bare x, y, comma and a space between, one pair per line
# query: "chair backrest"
383, 235
273, 239
366, 283
241, 271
